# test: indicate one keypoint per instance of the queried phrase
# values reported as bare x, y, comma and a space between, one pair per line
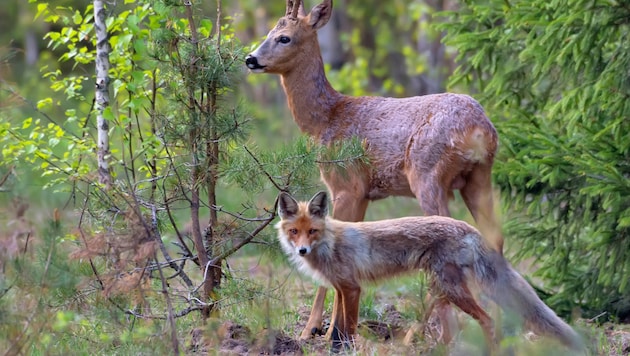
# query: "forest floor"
265, 309
384, 334
382, 339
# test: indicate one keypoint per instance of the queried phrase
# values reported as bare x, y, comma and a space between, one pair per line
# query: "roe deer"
423, 146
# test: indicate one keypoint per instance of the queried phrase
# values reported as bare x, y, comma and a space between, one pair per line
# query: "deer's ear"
287, 206
318, 205
320, 15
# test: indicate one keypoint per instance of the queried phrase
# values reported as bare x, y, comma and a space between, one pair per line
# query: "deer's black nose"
252, 62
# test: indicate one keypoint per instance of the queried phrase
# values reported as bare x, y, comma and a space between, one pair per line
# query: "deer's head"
292, 41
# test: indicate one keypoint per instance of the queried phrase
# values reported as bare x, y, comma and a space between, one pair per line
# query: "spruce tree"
553, 76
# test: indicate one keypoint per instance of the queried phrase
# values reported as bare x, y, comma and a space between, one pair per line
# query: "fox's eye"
293, 231
312, 231
284, 39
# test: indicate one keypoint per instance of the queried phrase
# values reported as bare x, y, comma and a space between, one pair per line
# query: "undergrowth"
52, 304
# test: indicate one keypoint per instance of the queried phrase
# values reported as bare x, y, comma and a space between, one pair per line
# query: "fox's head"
302, 224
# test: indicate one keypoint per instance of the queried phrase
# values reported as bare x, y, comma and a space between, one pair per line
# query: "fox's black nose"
302, 251
252, 62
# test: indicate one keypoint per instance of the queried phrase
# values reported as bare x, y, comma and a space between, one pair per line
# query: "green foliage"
177, 130
295, 162
553, 77
176, 133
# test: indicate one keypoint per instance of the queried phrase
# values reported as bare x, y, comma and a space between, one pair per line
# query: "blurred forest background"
173, 237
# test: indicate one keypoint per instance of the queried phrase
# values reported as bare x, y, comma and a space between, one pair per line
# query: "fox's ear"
287, 206
318, 205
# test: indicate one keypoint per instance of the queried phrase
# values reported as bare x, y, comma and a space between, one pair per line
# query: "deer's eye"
284, 39
312, 231
293, 231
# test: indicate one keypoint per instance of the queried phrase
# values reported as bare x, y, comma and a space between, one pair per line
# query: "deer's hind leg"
478, 196
433, 185
432, 195
432, 190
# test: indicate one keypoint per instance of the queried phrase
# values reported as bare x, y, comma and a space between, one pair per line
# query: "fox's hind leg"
468, 305
446, 316
452, 283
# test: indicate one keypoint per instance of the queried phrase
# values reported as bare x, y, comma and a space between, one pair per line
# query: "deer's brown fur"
424, 146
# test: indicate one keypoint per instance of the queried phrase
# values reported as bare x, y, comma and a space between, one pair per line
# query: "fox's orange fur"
347, 254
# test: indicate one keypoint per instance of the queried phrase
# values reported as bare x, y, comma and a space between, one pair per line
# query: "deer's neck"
311, 98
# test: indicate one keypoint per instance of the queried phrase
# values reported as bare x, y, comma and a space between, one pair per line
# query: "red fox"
347, 254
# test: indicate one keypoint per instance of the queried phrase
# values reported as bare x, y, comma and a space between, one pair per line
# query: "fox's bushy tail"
507, 288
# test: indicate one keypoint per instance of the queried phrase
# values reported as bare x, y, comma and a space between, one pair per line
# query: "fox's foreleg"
345, 316
347, 205
314, 323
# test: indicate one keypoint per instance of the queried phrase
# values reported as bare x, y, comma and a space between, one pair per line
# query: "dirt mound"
230, 338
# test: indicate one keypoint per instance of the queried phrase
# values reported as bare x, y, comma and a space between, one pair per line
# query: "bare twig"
80, 227
239, 216
243, 242
597, 316
167, 256
163, 317
178, 233
6, 176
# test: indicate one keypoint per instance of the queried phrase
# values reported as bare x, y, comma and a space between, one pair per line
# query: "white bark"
103, 49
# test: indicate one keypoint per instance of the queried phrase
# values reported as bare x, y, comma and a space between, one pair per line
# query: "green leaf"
44, 103
624, 221
42, 9
108, 114
27, 123
205, 27
53, 141
77, 18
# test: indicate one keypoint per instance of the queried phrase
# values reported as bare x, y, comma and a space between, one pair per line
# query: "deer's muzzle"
252, 63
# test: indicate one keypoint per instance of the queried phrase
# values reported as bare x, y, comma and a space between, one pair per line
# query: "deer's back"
416, 131
437, 117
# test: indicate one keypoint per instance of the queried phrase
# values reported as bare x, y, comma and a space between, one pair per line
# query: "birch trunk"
102, 91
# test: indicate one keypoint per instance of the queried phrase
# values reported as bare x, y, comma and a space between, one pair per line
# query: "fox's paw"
309, 332
339, 342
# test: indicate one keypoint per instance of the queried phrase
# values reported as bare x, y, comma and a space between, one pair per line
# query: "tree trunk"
101, 95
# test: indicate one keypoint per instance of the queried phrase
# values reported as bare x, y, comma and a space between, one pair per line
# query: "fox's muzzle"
303, 250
